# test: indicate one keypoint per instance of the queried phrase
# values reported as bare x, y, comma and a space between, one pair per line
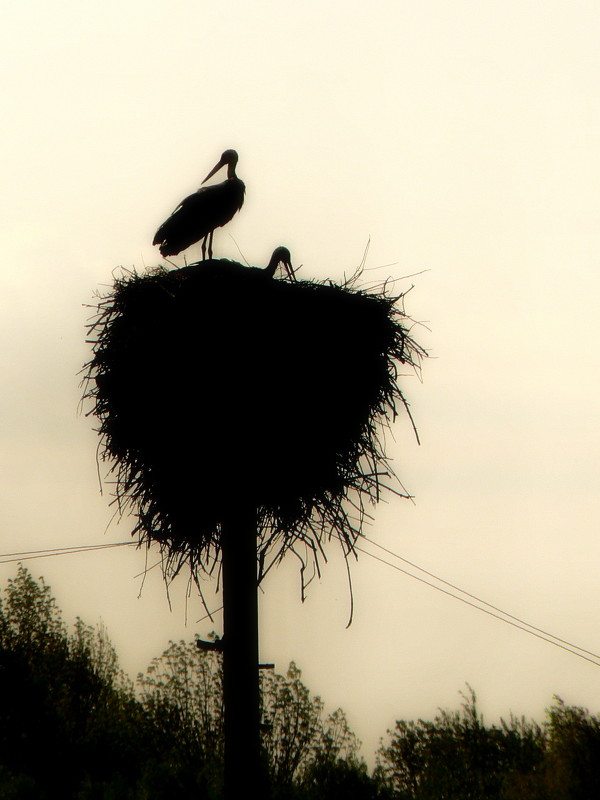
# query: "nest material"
215, 385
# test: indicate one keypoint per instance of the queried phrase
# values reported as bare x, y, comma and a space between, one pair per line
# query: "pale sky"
463, 138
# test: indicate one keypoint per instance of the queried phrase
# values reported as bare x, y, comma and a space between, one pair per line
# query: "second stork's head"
281, 255
229, 157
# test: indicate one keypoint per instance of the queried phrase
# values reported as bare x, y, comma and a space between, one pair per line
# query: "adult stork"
197, 216
281, 255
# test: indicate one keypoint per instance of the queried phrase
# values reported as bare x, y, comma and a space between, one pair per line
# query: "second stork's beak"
216, 168
289, 269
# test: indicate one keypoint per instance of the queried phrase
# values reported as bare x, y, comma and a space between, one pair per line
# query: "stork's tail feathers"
165, 248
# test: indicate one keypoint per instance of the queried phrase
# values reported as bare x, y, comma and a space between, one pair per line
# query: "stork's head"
229, 157
281, 255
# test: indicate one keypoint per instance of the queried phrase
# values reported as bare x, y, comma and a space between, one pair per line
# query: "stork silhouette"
281, 255
197, 216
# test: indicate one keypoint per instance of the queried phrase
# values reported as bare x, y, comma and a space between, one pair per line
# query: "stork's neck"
231, 171
271, 268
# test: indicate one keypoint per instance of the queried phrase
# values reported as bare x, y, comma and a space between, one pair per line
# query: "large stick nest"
215, 385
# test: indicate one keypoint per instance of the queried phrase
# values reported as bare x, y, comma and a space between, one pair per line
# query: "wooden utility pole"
241, 691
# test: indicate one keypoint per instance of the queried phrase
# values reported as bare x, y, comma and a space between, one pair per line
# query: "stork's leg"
210, 238
204, 248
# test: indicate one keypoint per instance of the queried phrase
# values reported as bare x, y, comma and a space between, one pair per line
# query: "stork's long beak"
290, 270
216, 168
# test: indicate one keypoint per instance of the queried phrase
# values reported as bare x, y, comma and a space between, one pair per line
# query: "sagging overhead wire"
479, 604
28, 555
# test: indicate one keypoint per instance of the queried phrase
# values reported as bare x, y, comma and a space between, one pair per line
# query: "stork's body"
196, 217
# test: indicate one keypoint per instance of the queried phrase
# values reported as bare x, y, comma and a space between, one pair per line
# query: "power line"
49, 552
509, 619
480, 600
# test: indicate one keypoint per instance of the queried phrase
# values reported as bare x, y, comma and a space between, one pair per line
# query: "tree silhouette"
182, 692
457, 756
71, 726
67, 712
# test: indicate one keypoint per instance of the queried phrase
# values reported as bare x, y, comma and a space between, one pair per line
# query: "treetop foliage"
457, 756
73, 725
